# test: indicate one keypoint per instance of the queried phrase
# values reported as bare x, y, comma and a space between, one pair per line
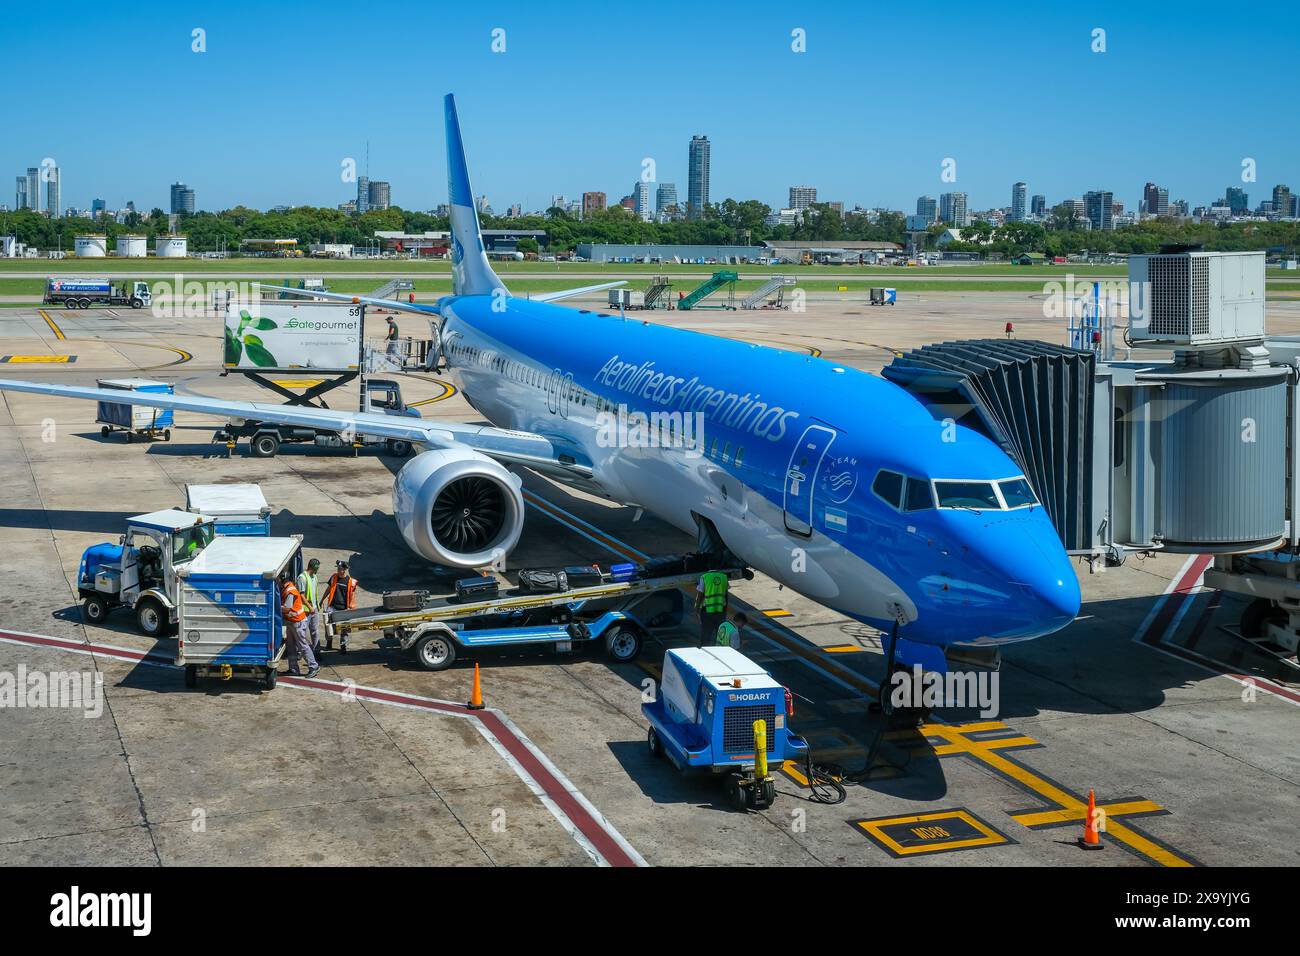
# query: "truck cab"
140, 571
137, 291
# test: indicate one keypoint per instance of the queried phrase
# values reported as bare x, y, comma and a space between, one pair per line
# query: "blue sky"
584, 91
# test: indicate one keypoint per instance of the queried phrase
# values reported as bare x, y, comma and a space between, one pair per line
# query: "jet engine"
458, 508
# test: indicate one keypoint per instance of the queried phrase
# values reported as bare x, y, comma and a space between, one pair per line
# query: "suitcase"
479, 588
665, 567
542, 580
404, 600
623, 572
583, 575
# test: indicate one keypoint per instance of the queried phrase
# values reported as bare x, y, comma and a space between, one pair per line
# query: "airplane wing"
567, 293
395, 304
509, 447
400, 306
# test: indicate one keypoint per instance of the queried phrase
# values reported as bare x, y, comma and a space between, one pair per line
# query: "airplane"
834, 482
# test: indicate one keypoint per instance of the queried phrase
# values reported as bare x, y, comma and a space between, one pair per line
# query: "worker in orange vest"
294, 611
340, 595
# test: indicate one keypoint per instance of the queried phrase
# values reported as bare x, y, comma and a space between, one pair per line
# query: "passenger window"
740, 456
713, 449
889, 486
918, 495
726, 452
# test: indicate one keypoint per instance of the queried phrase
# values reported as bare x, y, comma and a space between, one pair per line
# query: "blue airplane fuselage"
785, 464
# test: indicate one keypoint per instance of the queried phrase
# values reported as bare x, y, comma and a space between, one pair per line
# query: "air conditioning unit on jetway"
1195, 299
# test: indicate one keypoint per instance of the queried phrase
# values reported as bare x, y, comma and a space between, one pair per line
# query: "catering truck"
82, 293
240, 510
231, 623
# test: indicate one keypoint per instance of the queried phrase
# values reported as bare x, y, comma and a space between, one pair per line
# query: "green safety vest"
715, 592
728, 635
307, 585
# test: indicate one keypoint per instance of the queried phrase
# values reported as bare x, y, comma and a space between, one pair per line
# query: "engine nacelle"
458, 508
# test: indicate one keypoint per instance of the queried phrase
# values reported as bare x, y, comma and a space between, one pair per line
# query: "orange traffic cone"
476, 696
1091, 839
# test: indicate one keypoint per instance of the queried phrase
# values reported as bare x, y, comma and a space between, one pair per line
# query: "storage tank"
133, 247
90, 247
171, 247
1223, 460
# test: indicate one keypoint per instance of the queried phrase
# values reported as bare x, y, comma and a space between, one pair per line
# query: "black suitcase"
583, 575
404, 600
665, 567
478, 588
542, 580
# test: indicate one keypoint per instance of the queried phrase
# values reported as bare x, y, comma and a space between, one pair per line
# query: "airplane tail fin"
471, 272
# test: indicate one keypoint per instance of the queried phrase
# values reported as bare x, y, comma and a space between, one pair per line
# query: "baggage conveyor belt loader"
619, 614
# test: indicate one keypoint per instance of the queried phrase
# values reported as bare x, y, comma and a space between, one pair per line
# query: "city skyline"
832, 140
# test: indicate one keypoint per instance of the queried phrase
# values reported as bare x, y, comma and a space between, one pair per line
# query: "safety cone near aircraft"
1091, 839
476, 695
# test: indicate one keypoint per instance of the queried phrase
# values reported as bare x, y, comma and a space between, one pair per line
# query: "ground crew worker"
295, 624
311, 600
711, 603
728, 634
391, 338
340, 595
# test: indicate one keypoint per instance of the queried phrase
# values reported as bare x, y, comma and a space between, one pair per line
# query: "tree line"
729, 222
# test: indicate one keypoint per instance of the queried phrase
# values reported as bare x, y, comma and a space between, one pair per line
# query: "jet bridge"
1188, 444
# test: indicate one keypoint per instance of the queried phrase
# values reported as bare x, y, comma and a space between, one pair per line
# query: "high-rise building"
592, 202
53, 192
20, 193
1098, 207
380, 195
928, 207
1237, 200
481, 205
34, 188
97, 207
641, 195
1018, 194
697, 190
1282, 200
182, 198
363, 194
1038, 206
665, 196
952, 209
1155, 200
801, 197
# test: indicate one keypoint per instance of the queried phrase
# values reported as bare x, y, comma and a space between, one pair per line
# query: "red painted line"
1156, 632
564, 798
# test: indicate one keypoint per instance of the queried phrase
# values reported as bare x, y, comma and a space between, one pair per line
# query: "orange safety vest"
296, 612
351, 595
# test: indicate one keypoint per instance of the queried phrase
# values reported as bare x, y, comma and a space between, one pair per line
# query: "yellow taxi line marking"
58, 332
1038, 818
37, 359
958, 742
778, 612
448, 391
843, 649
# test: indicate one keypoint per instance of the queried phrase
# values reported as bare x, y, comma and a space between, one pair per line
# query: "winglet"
471, 272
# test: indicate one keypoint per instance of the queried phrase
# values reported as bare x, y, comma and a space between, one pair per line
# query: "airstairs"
771, 292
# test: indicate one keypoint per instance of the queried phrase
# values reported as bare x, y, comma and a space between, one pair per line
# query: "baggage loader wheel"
265, 445
623, 643
435, 652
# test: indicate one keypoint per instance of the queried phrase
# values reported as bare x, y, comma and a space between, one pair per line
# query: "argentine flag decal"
837, 520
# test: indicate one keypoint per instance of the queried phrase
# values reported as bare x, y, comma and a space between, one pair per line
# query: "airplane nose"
1057, 590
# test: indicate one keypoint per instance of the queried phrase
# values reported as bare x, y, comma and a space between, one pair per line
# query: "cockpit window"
918, 497
1017, 493
889, 486
967, 494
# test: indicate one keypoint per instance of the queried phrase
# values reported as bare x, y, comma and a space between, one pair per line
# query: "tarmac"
1186, 735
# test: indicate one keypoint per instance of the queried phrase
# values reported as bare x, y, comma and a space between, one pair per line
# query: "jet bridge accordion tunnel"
1124, 456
